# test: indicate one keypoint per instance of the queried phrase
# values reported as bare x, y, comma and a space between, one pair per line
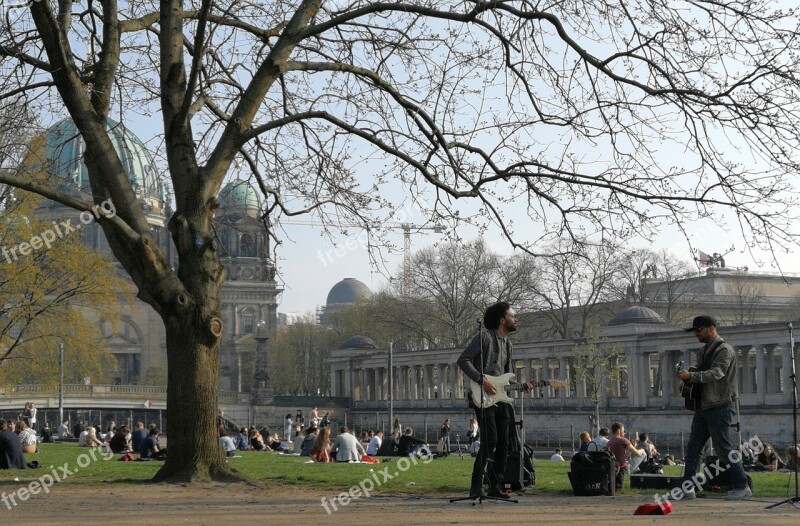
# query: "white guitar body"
501, 384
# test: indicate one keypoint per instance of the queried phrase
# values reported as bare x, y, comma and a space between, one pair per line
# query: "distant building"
249, 294
342, 295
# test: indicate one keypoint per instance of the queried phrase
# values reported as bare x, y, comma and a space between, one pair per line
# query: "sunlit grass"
447, 476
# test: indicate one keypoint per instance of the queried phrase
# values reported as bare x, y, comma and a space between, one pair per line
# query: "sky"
309, 266
309, 263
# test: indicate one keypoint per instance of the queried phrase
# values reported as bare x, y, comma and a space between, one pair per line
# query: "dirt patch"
215, 504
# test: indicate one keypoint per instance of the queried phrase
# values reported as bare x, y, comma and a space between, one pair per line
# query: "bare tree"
597, 363
574, 285
745, 297
658, 280
576, 110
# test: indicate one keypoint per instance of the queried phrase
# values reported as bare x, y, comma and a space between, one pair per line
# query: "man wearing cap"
716, 375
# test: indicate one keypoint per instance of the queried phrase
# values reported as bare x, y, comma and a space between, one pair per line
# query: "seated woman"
768, 459
585, 438
321, 452
256, 441
274, 443
27, 437
149, 450
91, 439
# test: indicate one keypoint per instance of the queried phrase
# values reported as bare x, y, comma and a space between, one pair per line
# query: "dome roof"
637, 314
349, 290
358, 342
239, 194
65, 149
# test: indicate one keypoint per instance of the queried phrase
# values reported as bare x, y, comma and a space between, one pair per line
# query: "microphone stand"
486, 459
793, 376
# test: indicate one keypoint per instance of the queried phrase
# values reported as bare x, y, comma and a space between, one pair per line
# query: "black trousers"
495, 423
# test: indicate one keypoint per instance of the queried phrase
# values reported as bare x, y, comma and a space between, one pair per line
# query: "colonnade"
431, 378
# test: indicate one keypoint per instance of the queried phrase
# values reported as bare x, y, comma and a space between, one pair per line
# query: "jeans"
714, 423
494, 422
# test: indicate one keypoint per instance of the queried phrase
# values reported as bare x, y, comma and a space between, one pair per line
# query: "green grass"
448, 476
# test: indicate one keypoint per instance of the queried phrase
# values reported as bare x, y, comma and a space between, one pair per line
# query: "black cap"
700, 322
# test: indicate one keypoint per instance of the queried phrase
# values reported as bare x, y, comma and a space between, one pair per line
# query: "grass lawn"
448, 476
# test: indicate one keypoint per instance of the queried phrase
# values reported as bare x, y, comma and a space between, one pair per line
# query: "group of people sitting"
141, 440
16, 439
768, 458
630, 456
254, 439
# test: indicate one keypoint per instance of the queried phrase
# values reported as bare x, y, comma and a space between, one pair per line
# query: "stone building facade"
249, 294
429, 386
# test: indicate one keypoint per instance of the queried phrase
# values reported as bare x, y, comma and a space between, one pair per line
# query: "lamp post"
61, 384
391, 389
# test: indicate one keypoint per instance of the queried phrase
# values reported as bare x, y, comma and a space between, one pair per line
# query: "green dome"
239, 194
65, 148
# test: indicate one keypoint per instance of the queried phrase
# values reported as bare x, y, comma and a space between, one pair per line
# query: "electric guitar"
503, 383
690, 392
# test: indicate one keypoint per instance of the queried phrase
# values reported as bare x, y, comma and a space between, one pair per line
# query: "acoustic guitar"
503, 384
690, 392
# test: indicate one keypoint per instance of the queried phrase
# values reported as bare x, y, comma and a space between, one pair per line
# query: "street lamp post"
61, 384
391, 389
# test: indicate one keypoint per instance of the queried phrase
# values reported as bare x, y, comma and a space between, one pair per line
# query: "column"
786, 360
414, 382
442, 370
547, 391
744, 370
429, 382
761, 374
773, 377
667, 374
563, 374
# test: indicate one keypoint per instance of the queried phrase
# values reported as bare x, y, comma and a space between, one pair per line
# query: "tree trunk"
194, 453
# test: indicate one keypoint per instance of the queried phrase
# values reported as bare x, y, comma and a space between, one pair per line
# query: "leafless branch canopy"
612, 118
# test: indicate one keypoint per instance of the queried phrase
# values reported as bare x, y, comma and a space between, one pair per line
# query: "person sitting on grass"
275, 444
149, 450
242, 441
768, 459
11, 456
138, 435
321, 452
91, 439
256, 441
119, 442
27, 437
347, 447
409, 443
389, 446
308, 441
227, 444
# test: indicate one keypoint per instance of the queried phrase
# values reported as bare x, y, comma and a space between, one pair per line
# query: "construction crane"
407, 228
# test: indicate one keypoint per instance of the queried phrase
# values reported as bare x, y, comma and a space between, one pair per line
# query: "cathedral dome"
636, 314
239, 194
64, 150
349, 290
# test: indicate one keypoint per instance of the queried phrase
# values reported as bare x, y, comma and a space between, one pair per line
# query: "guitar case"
513, 478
